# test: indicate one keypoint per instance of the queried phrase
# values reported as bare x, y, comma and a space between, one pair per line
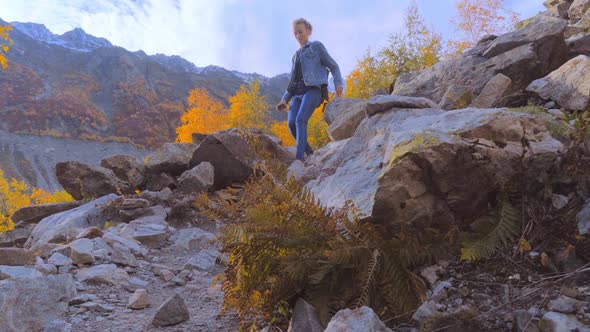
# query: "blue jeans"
302, 107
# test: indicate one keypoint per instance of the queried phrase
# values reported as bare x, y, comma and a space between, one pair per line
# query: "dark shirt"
299, 86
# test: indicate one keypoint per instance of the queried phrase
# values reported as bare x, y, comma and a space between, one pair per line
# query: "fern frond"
492, 232
369, 281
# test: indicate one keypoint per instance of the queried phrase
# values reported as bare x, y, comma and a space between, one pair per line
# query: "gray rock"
16, 256
121, 255
577, 9
11, 272
83, 298
97, 307
557, 322
379, 104
35, 213
127, 168
59, 259
90, 233
134, 203
58, 325
171, 312
569, 85
198, 179
457, 96
305, 318
171, 158
523, 56
559, 201
346, 115
493, 92
87, 181
583, 219
566, 305
524, 321
579, 44
164, 195
16, 237
540, 29
338, 107
398, 150
190, 239
103, 274
44, 268
204, 260
134, 284
131, 244
425, 311
81, 251
34, 304
160, 181
65, 226
362, 319
139, 300
151, 235
430, 274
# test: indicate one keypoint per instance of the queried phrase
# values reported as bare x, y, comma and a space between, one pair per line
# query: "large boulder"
198, 179
233, 155
345, 114
171, 312
569, 86
32, 304
541, 30
108, 274
65, 226
577, 9
87, 181
16, 237
171, 158
493, 92
429, 167
34, 213
16, 256
523, 56
127, 168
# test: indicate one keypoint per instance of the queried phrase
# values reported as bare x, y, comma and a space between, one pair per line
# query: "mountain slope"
81, 86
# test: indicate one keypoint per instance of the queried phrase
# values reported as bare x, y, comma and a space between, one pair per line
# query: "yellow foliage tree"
16, 194
416, 48
317, 131
5, 41
204, 115
249, 109
477, 18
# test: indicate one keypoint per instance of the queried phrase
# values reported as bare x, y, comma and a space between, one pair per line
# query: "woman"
309, 73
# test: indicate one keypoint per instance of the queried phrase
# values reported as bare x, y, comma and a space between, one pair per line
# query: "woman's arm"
329, 62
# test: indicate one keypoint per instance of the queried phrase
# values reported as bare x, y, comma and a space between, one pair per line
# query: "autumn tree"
249, 109
16, 194
415, 48
5, 43
477, 18
204, 115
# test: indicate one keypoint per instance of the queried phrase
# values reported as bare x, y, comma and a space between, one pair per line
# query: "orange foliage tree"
204, 115
477, 18
249, 109
416, 48
5, 41
16, 194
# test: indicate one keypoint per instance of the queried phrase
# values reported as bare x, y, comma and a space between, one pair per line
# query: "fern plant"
492, 232
283, 244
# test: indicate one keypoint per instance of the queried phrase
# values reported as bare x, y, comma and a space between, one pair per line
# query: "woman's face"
301, 33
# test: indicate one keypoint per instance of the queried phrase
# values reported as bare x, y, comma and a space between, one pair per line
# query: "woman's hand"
339, 91
282, 105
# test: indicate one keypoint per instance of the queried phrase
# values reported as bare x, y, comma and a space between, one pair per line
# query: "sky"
244, 35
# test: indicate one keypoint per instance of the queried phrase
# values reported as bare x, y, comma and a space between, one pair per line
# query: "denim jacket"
315, 63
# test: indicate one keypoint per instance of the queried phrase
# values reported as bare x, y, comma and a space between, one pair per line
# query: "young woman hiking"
309, 76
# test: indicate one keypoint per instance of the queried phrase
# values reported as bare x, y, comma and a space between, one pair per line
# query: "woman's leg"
311, 99
293, 111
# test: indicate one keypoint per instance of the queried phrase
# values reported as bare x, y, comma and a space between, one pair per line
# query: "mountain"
80, 86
